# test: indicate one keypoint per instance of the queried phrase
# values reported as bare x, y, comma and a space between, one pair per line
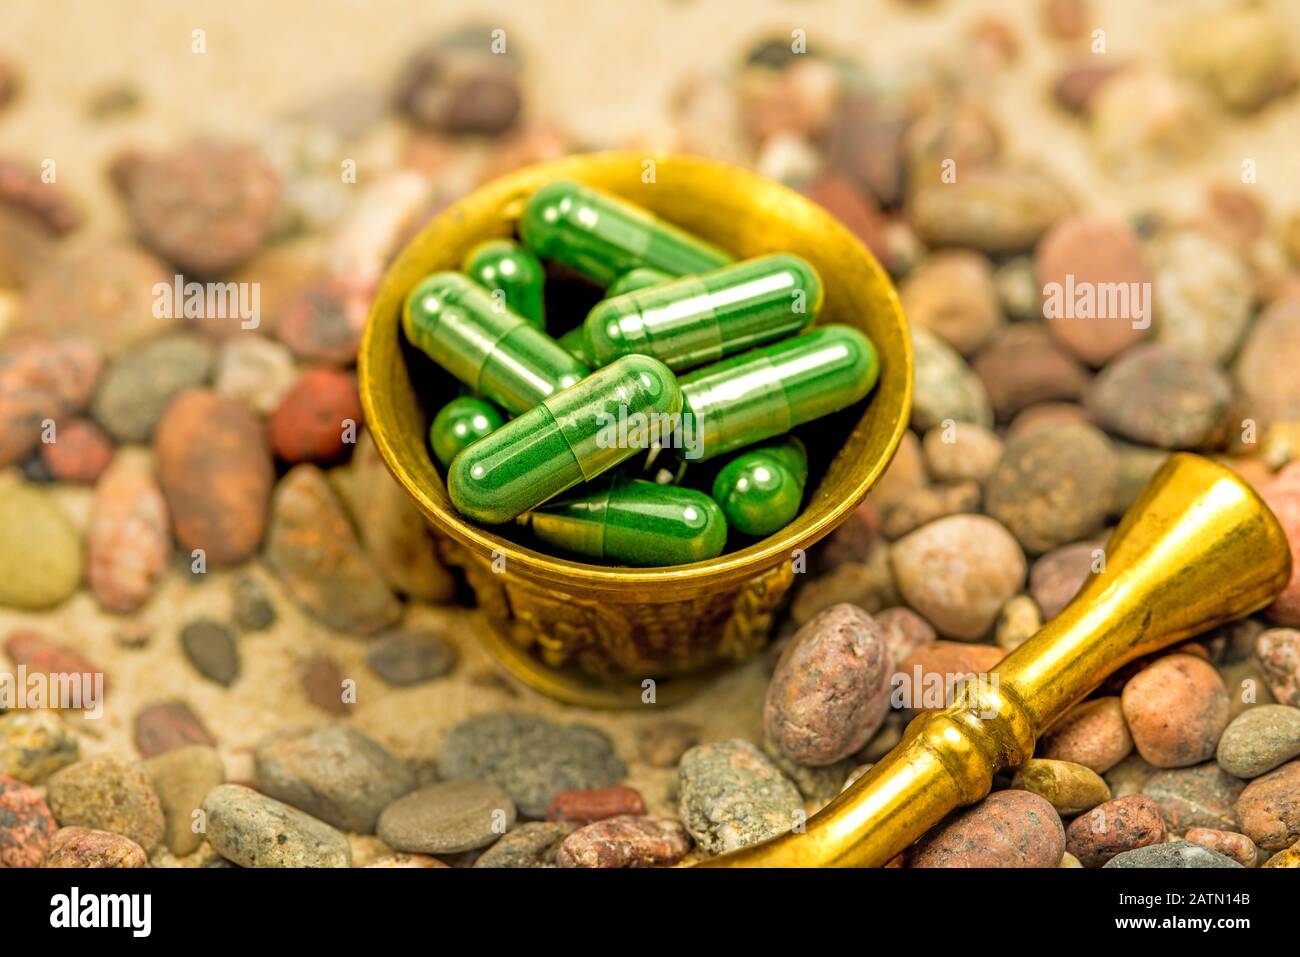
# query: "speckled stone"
662, 744
1174, 854
1092, 733
1202, 295
952, 295
1202, 796
87, 847
26, 824
108, 794
1278, 652
532, 758
1228, 843
1057, 576
830, 690
626, 841
945, 386
533, 844
964, 451
1260, 739
403, 859
1118, 825
35, 744
182, 778
1129, 776
1269, 808
1176, 709
1024, 367
1007, 829
729, 795
447, 818
1157, 396
334, 773
135, 390
904, 631
253, 830
1069, 788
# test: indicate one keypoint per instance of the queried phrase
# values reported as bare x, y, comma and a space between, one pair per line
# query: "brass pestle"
1198, 548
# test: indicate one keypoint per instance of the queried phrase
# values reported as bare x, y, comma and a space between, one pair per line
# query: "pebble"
211, 648
1282, 495
167, 726
945, 387
1201, 796
1002, 208
903, 631
108, 794
255, 370
215, 471
402, 859
952, 295
103, 292
942, 664
1070, 788
1145, 122
129, 543
392, 529
182, 778
1057, 576
1007, 829
957, 572
1176, 709
629, 840
41, 379
856, 539
250, 606
447, 818
1240, 56
1095, 253
1202, 295
729, 795
404, 658
321, 680
36, 653
869, 586
41, 554
532, 758
1018, 621
924, 505
324, 322
533, 844
79, 453
662, 744
26, 824
595, 804
830, 690
252, 830
1129, 776
26, 248
1053, 485
841, 197
1175, 854
964, 451
1265, 367
1092, 733
1268, 810
1230, 844
818, 784
1157, 396
455, 88
33, 745
87, 847
136, 389
334, 773
1024, 366
1260, 739
1053, 414
1119, 825
1077, 84
314, 552
315, 417
206, 207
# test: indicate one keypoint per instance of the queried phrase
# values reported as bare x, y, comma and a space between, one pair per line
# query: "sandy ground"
606, 70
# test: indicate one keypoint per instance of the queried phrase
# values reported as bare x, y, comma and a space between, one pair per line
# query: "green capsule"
570, 437
485, 345
463, 420
602, 236
768, 391
635, 279
633, 522
572, 343
504, 265
761, 490
697, 319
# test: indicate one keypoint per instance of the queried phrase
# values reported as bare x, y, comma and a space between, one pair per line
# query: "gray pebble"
253, 830
1260, 739
210, 647
251, 608
1179, 854
332, 772
531, 758
529, 845
135, 391
729, 795
447, 818
411, 657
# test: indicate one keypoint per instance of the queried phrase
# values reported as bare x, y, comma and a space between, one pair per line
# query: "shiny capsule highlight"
768, 391
634, 522
510, 271
463, 420
570, 437
485, 345
602, 236
760, 491
694, 320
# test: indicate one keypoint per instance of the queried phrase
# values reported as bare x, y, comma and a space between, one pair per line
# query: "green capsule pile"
655, 430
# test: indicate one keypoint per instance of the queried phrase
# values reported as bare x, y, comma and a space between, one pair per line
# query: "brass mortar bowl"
594, 634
